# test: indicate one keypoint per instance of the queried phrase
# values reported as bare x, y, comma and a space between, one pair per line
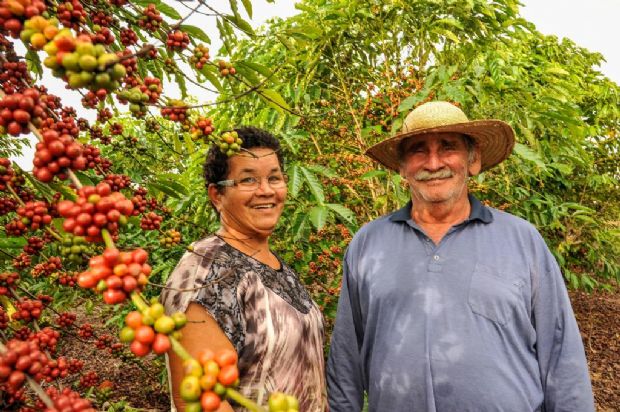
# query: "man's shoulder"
510, 222
374, 231
377, 225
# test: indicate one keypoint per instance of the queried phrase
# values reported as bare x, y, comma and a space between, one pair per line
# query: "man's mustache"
424, 175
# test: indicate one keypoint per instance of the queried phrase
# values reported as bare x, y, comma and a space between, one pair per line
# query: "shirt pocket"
493, 295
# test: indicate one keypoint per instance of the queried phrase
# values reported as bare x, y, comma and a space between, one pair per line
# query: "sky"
592, 24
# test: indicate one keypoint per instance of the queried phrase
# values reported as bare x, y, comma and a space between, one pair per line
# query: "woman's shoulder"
192, 269
206, 244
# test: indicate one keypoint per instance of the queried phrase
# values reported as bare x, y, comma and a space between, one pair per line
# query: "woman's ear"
215, 196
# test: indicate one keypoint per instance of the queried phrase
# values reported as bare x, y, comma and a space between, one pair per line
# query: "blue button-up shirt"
479, 322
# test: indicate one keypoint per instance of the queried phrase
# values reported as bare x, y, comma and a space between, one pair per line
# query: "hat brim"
495, 139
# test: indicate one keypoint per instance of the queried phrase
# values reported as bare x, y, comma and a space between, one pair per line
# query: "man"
448, 305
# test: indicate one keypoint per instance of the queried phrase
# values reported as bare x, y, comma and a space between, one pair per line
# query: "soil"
142, 385
122, 379
598, 315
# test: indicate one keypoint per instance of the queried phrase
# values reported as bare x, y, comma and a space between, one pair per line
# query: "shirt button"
436, 257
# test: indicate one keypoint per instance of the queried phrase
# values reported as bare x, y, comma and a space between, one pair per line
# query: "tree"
77, 222
351, 70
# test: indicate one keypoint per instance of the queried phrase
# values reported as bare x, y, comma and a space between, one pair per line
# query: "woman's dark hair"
216, 165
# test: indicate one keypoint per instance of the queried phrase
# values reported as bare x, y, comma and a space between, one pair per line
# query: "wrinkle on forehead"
408, 143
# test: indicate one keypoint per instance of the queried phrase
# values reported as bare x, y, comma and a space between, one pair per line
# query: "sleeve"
218, 296
345, 389
561, 357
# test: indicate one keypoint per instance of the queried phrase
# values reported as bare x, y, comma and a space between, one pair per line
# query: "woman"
238, 294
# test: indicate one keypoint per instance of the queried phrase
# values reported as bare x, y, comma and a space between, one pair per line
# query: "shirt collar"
478, 212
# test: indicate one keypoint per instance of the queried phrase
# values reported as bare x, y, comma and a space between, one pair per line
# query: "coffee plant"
79, 224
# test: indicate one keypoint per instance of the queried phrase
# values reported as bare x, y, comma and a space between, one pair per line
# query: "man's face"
436, 167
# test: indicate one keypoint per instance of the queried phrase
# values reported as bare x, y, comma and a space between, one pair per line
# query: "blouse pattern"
267, 315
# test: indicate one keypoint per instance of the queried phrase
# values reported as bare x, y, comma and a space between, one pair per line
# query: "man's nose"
433, 161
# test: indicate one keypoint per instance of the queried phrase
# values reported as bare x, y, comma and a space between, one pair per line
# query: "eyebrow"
415, 145
250, 170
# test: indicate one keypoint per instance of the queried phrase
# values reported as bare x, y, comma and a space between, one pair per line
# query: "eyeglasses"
252, 183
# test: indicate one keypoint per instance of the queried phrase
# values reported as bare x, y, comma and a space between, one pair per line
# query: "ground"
598, 315
141, 386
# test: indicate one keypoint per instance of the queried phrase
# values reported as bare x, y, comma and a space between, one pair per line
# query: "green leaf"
325, 171
196, 32
318, 216
174, 185
345, 213
168, 11
295, 180
247, 4
259, 68
241, 24
152, 65
446, 33
66, 191
450, 22
34, 63
373, 173
412, 100
247, 73
397, 124
40, 187
292, 139
303, 7
274, 99
530, 155
180, 80
234, 7
12, 242
285, 41
367, 131
313, 183
557, 70
565, 169
158, 187
89, 305
210, 73
298, 227
84, 178
145, 3
189, 143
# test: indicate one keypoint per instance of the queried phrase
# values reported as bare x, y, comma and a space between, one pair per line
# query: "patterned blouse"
266, 314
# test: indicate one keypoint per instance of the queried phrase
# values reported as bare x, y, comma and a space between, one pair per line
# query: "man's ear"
475, 165
215, 196
401, 170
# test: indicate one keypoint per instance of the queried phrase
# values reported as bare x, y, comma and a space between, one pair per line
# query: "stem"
51, 232
107, 239
139, 301
8, 254
243, 401
74, 179
179, 349
19, 199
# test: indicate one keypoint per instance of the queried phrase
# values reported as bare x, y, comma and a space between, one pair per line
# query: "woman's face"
253, 212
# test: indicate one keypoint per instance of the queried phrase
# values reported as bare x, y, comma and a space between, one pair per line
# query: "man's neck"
437, 218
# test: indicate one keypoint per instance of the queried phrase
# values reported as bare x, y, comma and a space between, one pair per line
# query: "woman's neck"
253, 246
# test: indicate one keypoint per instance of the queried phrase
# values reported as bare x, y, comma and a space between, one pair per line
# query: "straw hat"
494, 137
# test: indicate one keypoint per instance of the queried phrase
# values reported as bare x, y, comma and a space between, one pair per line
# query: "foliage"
330, 81
351, 71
